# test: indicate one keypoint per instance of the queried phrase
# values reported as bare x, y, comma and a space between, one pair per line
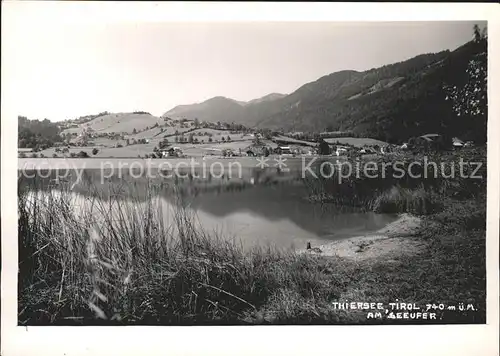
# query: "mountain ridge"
390, 103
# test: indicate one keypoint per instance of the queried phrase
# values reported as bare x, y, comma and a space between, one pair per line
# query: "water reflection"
262, 206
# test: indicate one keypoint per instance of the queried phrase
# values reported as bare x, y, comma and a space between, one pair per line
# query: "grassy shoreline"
135, 270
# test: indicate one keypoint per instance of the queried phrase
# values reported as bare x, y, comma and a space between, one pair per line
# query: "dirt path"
395, 239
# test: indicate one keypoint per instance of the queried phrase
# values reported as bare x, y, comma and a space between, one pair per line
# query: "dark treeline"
37, 134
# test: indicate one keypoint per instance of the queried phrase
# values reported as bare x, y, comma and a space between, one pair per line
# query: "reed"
114, 262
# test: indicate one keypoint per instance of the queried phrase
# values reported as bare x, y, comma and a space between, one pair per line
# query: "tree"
210, 139
163, 144
95, 151
134, 131
83, 154
228, 139
477, 33
324, 148
469, 98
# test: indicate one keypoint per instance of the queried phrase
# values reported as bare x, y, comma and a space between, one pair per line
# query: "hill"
118, 122
220, 109
390, 103
265, 98
212, 110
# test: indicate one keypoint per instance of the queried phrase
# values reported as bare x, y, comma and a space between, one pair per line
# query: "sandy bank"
393, 240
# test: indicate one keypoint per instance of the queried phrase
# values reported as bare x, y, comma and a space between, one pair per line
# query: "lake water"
260, 207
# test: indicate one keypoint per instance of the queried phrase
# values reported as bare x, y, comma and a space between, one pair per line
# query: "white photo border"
242, 340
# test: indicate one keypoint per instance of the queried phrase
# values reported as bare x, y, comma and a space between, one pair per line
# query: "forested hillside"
391, 103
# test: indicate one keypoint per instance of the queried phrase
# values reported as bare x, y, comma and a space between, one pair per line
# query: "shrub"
95, 151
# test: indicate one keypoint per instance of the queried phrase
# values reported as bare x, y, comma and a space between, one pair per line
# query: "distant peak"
268, 97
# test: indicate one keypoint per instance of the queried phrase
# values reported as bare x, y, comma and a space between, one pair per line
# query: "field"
207, 141
357, 142
133, 151
289, 140
119, 122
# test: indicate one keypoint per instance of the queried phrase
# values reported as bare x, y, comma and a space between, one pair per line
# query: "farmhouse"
171, 152
25, 150
457, 143
341, 150
368, 150
429, 141
284, 150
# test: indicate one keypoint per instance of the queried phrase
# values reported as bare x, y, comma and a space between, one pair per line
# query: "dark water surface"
261, 206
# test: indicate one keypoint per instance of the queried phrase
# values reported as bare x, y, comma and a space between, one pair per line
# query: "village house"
457, 143
283, 150
171, 152
428, 142
341, 150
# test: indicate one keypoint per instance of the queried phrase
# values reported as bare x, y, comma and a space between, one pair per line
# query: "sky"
62, 71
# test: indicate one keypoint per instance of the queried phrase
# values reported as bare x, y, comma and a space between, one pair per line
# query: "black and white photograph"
237, 173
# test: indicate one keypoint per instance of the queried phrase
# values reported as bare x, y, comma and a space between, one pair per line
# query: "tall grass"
418, 201
109, 262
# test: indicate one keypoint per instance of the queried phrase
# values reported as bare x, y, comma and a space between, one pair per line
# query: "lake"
259, 207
